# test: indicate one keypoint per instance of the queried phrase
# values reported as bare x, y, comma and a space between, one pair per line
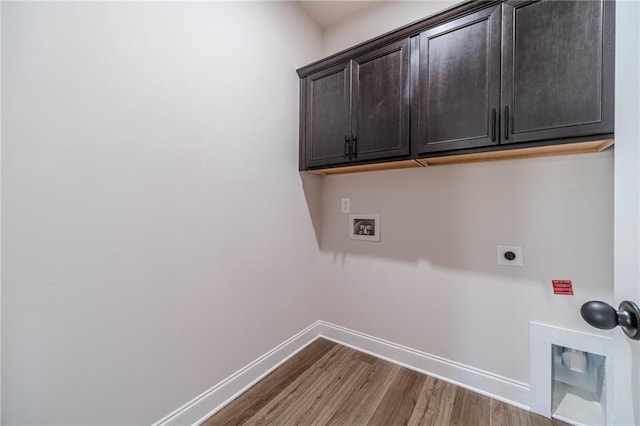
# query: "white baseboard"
211, 401
483, 382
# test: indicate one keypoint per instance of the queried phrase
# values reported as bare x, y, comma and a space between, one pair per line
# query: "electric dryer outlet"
510, 256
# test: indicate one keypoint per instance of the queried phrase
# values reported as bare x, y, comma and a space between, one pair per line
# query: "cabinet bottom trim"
538, 151
391, 165
504, 154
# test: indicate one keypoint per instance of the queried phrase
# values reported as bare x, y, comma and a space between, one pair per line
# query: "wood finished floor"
330, 384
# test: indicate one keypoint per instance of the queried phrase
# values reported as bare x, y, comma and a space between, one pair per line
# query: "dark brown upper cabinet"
557, 69
358, 111
456, 90
522, 71
327, 119
481, 80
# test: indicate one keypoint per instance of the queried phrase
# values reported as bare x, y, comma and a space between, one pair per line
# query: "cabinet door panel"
380, 109
459, 83
557, 81
327, 116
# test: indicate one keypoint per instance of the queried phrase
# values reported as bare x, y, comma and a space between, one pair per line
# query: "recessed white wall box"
510, 255
345, 205
364, 226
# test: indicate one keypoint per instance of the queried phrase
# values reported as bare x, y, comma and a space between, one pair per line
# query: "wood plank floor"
330, 384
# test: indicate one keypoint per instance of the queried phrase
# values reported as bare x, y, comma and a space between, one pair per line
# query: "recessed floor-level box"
578, 386
571, 375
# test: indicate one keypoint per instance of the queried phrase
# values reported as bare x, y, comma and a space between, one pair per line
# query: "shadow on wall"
559, 209
312, 187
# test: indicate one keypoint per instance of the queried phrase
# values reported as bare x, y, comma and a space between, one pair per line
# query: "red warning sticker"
562, 287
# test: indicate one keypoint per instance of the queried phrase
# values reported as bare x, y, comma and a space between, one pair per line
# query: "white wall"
432, 283
156, 234
381, 17
1, 7
143, 146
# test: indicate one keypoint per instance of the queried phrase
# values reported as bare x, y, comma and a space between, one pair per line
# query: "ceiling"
329, 12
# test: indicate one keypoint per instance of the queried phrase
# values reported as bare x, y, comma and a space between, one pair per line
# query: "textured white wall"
156, 234
432, 283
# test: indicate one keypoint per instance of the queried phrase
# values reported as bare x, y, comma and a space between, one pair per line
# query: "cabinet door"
327, 110
380, 103
557, 79
458, 83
